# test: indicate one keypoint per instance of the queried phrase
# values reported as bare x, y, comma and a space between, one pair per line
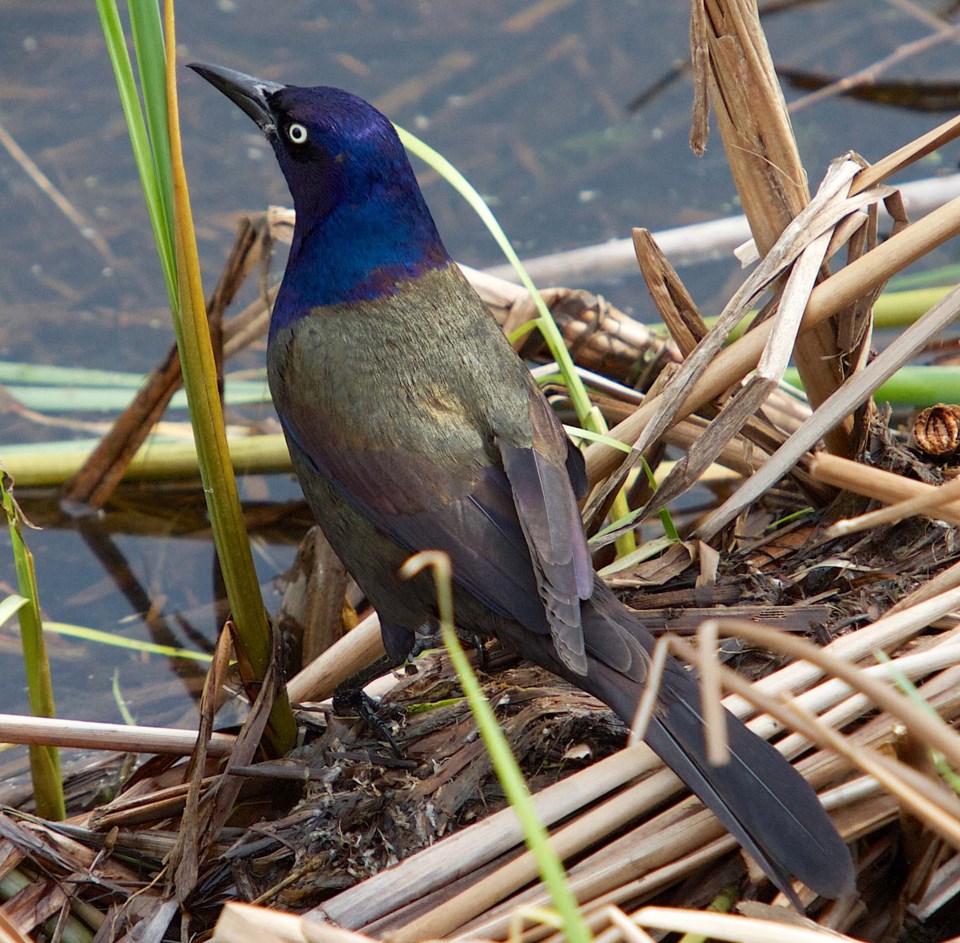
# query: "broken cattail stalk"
927, 504
841, 289
883, 485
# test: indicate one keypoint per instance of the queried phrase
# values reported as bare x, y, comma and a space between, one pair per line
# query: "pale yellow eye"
297, 133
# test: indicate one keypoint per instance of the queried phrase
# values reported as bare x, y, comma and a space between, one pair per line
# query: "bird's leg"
350, 698
428, 638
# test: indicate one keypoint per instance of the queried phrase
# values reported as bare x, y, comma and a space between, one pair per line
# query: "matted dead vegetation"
420, 846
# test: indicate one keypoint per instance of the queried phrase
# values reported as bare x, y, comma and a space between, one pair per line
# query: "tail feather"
758, 796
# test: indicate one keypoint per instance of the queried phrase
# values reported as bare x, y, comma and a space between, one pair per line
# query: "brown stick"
876, 483
841, 289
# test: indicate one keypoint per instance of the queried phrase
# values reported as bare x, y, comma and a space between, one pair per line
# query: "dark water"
529, 100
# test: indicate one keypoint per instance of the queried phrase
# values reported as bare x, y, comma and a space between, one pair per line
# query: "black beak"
243, 90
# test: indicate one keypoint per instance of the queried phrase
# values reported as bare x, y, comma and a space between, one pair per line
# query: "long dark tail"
758, 796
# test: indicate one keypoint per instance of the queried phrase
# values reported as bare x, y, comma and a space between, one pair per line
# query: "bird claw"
429, 640
483, 659
357, 701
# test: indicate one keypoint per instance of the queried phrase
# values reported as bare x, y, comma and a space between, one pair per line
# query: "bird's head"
349, 177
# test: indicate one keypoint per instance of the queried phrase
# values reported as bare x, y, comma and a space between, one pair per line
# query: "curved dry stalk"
936, 806
731, 926
932, 730
928, 503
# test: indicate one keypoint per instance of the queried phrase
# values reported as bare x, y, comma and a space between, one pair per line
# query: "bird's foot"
353, 700
428, 638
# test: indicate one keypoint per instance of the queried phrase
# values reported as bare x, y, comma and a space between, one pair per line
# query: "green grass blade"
160, 162
99, 637
216, 472
147, 31
10, 606
139, 140
508, 772
44, 760
558, 349
588, 415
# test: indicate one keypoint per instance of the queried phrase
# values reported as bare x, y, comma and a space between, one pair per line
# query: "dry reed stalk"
312, 610
857, 279
677, 309
731, 927
361, 646
244, 923
436, 867
471, 847
839, 704
873, 811
886, 634
930, 730
732, 363
659, 841
739, 454
927, 504
98, 736
909, 154
799, 250
599, 879
939, 583
934, 804
366, 906
879, 484
842, 402
709, 241
762, 153
635, 853
139, 807
679, 313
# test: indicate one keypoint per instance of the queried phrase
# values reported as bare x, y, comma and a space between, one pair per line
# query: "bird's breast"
425, 369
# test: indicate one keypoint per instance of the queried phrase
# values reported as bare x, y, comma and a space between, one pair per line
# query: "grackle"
412, 424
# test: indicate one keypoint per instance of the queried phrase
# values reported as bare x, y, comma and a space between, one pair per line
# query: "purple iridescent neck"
362, 224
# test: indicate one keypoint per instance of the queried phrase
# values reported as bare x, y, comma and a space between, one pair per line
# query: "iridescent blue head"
362, 225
